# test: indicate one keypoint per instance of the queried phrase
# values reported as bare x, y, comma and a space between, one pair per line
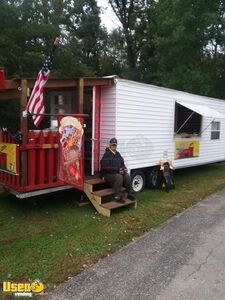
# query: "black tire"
138, 181
153, 178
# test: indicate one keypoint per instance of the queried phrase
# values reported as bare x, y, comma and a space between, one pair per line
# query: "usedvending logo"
21, 289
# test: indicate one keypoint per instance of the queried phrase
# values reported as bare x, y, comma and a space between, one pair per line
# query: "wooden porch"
37, 152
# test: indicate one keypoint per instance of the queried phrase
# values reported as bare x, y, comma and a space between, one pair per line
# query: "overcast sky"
109, 19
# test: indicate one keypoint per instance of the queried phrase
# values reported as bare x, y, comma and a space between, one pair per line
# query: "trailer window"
215, 131
187, 122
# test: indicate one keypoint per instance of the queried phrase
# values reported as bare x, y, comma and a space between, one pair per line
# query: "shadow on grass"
52, 201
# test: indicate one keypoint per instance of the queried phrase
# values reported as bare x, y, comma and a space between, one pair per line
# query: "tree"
184, 57
9, 37
131, 14
86, 34
29, 27
113, 59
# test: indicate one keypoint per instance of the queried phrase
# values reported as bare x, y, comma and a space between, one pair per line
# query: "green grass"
53, 239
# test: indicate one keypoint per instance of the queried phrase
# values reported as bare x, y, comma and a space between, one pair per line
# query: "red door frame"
96, 130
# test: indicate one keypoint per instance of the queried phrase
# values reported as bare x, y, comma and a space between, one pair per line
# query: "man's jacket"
111, 163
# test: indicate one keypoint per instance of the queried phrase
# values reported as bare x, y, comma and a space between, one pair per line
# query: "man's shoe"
131, 197
119, 199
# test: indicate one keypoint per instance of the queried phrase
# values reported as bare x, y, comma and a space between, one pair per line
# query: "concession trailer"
149, 122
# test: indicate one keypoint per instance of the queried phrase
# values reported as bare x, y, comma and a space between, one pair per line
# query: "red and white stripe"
36, 103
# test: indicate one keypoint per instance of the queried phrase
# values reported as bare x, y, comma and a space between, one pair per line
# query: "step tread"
94, 181
113, 204
104, 192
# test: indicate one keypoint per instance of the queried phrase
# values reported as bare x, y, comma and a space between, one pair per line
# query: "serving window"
187, 122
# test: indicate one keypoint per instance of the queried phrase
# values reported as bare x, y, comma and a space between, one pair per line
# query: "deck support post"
81, 96
23, 129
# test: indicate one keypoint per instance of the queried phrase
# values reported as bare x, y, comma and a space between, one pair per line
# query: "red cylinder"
2, 80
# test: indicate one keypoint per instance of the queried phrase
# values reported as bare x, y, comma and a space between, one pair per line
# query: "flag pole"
35, 104
23, 121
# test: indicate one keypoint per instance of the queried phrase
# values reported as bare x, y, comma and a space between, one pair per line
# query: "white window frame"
215, 130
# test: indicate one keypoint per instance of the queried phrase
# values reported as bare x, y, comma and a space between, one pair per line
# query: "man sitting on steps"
114, 171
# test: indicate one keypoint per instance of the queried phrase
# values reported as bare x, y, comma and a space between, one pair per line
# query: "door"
60, 103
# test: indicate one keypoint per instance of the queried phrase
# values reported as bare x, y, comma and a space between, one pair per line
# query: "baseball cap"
113, 141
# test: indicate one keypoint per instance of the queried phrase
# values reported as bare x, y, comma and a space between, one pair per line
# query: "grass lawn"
53, 239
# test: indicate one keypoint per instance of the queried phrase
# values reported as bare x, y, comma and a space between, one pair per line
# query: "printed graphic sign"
70, 151
22, 289
186, 149
8, 158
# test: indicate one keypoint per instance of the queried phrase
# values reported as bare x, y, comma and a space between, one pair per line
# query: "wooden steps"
98, 192
114, 204
104, 192
94, 181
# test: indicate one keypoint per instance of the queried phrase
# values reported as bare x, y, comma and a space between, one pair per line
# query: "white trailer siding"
108, 116
144, 118
144, 125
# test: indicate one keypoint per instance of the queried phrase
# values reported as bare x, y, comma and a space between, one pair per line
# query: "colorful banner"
186, 149
8, 157
70, 151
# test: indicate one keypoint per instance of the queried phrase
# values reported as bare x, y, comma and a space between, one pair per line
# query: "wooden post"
23, 129
81, 111
81, 96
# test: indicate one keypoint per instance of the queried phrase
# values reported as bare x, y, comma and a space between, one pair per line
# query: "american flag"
35, 104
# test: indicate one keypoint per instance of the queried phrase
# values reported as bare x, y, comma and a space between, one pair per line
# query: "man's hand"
123, 171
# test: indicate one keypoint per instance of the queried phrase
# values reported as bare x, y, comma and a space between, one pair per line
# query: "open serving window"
188, 119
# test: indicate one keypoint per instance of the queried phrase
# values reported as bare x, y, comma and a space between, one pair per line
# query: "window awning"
202, 110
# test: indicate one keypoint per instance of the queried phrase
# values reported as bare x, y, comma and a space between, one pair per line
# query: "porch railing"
42, 161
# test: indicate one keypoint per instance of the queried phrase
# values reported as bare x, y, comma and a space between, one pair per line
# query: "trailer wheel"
153, 178
138, 181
